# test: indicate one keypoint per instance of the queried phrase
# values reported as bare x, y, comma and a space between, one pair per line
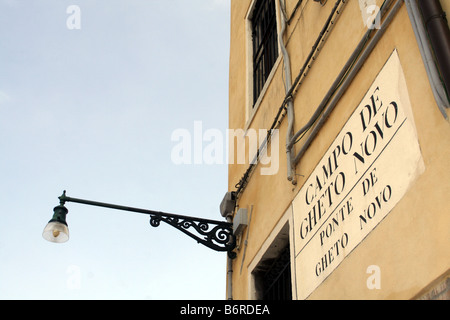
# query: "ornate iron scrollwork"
215, 235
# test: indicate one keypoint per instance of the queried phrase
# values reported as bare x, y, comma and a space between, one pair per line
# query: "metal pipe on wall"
349, 78
427, 56
229, 271
439, 34
290, 104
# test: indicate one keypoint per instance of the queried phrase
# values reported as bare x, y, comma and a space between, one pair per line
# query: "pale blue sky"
92, 111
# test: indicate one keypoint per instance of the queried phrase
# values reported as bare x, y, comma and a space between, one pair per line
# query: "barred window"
277, 280
265, 45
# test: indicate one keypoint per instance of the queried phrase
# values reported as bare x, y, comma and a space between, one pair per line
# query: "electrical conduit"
349, 78
427, 56
290, 104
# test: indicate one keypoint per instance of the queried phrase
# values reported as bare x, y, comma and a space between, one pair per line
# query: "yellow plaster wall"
411, 244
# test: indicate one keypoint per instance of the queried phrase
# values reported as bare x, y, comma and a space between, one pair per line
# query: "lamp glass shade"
56, 232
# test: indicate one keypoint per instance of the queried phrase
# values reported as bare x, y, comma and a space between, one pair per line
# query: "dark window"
277, 279
265, 45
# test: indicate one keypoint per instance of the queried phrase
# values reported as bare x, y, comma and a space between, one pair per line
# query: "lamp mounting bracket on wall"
216, 235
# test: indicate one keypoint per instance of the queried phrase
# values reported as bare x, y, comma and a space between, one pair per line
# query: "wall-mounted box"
240, 221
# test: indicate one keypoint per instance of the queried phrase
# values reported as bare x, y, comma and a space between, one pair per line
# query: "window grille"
265, 45
277, 280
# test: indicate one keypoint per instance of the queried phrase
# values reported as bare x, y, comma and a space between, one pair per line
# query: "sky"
89, 101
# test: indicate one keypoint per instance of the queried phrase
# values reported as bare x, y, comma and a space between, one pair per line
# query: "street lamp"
216, 235
56, 229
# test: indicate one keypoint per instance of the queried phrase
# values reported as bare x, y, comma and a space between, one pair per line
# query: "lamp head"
57, 230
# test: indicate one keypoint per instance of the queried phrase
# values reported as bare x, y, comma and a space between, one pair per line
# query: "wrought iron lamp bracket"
216, 235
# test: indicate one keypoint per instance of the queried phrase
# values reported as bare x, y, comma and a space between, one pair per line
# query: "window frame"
265, 43
252, 102
280, 238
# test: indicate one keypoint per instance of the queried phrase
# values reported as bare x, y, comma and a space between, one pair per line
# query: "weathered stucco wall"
410, 246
